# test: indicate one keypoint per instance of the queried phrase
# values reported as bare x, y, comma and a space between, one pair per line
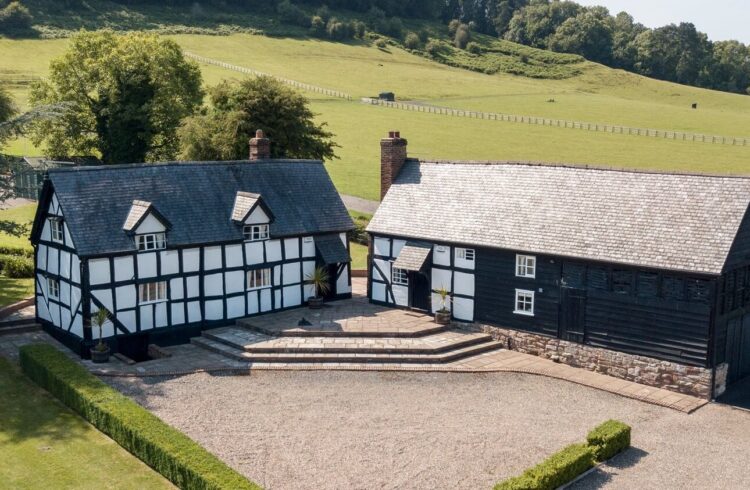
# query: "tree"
730, 66
238, 109
462, 37
15, 19
624, 50
534, 24
505, 11
589, 34
127, 95
677, 53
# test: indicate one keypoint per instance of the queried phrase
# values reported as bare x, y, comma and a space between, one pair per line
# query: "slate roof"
197, 198
137, 211
331, 249
668, 221
413, 256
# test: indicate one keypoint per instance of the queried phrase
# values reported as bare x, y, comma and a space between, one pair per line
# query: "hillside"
593, 94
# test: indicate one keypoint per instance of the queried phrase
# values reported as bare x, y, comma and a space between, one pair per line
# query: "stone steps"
263, 344
349, 357
342, 329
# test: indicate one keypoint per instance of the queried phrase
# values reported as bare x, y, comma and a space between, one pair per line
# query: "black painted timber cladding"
649, 313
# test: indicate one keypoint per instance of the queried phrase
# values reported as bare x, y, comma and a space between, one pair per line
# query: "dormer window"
254, 233
56, 230
151, 241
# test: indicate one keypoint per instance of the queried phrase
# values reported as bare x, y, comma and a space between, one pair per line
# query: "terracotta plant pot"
315, 303
443, 317
99, 356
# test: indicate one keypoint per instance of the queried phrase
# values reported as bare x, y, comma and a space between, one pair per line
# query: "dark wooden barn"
574, 262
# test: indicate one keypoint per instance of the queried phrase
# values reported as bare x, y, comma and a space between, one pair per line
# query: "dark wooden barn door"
420, 291
573, 314
738, 348
333, 270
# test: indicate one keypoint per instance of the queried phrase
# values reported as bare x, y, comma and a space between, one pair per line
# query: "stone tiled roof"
137, 211
671, 221
197, 198
413, 256
243, 203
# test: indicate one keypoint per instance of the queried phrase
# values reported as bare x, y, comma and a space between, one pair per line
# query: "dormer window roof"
139, 210
245, 206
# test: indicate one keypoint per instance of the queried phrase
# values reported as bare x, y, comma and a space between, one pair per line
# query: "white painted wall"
257, 217
150, 224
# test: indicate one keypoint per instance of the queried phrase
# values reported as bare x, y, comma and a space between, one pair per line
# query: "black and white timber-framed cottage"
641, 275
171, 249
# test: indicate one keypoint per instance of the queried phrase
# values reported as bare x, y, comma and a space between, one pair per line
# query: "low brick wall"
672, 376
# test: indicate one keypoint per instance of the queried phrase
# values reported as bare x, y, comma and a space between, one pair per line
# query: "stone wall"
672, 376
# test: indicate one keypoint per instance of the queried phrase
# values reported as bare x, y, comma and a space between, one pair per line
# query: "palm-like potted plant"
319, 279
443, 315
100, 352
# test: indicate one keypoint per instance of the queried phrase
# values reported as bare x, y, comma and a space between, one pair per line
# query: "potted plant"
100, 352
318, 278
443, 315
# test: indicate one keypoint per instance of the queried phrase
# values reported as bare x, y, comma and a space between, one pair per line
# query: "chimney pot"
260, 146
392, 158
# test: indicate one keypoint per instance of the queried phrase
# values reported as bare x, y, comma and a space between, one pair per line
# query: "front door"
738, 348
572, 314
332, 277
420, 291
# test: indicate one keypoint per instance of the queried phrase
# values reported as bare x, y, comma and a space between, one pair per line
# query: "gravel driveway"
356, 430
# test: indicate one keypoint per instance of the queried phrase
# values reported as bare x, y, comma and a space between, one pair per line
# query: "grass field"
598, 95
45, 445
12, 290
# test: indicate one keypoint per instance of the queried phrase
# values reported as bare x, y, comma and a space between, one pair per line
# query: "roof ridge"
580, 166
82, 168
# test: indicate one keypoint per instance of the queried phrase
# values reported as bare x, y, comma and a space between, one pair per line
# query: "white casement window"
465, 253
524, 302
258, 278
526, 266
53, 288
151, 241
400, 276
253, 233
56, 229
152, 292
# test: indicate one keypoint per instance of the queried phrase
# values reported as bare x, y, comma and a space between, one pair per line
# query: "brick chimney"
260, 146
392, 158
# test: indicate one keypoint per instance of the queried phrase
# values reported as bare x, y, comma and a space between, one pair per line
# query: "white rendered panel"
178, 313
127, 318
309, 291
161, 314
265, 300
277, 275
277, 298
308, 247
176, 289
463, 263
292, 273
75, 270
108, 329
258, 216
65, 293
194, 312
41, 257
211, 258
437, 303
67, 237
193, 287
42, 310
170, 262
384, 272
75, 298
104, 296
235, 282
150, 224
147, 265
441, 255
213, 285
147, 316
273, 250
53, 261
441, 278
397, 246
215, 309
45, 231
463, 309
254, 253
292, 296
463, 284
126, 296
236, 307
233, 255
401, 295
124, 268
76, 327
65, 318
252, 303
291, 248
342, 283
65, 264
191, 259
382, 246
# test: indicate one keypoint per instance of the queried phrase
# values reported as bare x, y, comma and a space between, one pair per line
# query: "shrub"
473, 48
462, 37
381, 43
21, 251
164, 448
358, 234
360, 29
432, 48
557, 470
15, 19
608, 439
412, 41
424, 35
453, 27
317, 26
292, 14
335, 29
16, 266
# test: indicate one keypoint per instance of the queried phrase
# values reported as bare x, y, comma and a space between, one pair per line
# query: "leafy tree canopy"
238, 109
126, 96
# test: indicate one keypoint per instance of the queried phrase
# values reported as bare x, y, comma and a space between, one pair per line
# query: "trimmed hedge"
21, 251
608, 439
557, 470
164, 448
16, 266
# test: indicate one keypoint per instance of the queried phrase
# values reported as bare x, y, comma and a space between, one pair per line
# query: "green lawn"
21, 214
45, 445
359, 256
598, 95
13, 290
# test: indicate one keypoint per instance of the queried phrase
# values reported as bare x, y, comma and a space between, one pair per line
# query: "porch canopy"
413, 256
331, 249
